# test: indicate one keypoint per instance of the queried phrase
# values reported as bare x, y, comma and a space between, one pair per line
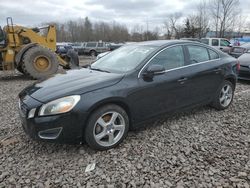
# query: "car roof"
161, 43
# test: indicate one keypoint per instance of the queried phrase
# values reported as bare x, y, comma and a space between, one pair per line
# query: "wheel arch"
231, 79
92, 50
116, 101
20, 54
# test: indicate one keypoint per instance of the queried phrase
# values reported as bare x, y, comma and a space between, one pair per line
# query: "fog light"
31, 113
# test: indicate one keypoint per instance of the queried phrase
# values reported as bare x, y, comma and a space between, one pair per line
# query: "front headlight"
59, 106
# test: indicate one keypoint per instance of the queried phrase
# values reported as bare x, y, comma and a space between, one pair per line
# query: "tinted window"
205, 41
197, 54
215, 42
213, 54
224, 42
91, 44
170, 58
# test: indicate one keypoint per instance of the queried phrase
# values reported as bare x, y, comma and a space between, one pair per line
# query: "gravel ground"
199, 148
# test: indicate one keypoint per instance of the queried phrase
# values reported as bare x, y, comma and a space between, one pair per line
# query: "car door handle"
182, 80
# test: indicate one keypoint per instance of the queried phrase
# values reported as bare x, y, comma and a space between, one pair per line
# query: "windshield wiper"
97, 69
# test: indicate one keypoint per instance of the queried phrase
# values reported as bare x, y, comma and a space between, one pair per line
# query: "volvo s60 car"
125, 88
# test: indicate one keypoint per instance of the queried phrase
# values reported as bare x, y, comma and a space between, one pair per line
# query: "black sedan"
244, 72
124, 89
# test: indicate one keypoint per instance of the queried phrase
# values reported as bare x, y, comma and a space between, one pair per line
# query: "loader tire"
20, 68
72, 60
40, 62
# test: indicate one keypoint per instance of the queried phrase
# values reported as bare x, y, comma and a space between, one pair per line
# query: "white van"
219, 43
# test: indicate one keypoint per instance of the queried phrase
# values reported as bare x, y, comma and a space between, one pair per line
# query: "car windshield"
123, 59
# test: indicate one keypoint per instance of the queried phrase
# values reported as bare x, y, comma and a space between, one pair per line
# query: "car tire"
224, 96
107, 127
93, 53
39, 62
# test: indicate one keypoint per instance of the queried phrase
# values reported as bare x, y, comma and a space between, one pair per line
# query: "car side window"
197, 54
213, 55
170, 58
100, 44
215, 42
224, 42
91, 44
205, 41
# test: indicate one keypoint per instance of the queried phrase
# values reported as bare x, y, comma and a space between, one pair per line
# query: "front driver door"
162, 93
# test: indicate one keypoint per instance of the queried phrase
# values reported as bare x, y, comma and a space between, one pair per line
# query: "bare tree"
172, 24
223, 14
202, 19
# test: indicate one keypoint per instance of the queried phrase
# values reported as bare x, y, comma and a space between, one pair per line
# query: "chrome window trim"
139, 74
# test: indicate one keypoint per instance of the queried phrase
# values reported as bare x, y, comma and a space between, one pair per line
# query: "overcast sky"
129, 12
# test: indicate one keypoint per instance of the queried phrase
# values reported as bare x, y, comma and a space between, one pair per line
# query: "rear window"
91, 44
213, 55
205, 41
197, 54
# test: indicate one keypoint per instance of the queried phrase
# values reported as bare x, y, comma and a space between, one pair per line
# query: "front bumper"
62, 128
244, 73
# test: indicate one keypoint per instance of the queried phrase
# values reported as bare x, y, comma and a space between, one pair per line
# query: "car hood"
73, 82
244, 59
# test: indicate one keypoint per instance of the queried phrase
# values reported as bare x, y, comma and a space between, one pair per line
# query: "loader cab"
2, 38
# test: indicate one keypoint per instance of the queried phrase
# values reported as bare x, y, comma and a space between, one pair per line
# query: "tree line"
221, 16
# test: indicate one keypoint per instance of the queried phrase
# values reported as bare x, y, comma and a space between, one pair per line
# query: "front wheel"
107, 127
224, 96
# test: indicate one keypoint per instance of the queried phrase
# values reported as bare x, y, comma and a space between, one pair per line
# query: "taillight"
238, 66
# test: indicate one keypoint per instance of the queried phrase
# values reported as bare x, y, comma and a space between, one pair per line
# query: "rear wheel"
39, 62
93, 53
107, 127
224, 96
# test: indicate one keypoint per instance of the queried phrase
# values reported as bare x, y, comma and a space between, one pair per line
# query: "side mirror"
230, 45
154, 70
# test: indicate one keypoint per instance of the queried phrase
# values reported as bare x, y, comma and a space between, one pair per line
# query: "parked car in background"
191, 39
79, 47
124, 89
237, 51
94, 48
244, 71
218, 43
62, 49
102, 55
114, 46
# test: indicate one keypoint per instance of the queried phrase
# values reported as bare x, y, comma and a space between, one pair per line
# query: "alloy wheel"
109, 128
226, 95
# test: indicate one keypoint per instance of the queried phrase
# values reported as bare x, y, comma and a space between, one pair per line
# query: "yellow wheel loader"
31, 51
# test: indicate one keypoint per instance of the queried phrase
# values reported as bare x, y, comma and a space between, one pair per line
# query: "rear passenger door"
206, 73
